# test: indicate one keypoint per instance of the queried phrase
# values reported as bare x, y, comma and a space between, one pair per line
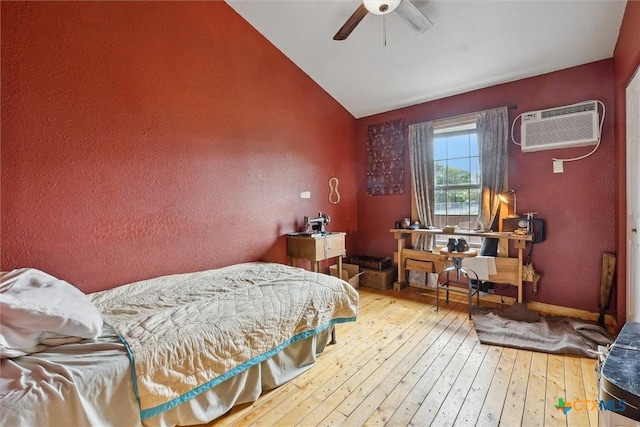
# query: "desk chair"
454, 259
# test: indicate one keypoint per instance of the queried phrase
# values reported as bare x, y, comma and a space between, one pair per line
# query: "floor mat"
519, 327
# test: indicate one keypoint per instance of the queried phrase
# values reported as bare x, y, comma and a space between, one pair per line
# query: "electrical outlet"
558, 166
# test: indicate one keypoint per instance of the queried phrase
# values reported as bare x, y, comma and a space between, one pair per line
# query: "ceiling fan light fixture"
381, 7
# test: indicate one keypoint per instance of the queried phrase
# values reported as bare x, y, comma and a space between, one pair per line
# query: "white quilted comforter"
186, 333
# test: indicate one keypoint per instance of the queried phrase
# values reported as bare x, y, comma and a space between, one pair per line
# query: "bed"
174, 350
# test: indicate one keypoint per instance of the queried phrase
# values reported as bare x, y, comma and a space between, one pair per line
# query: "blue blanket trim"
152, 412
133, 369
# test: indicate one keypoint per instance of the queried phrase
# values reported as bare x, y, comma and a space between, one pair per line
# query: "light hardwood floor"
402, 363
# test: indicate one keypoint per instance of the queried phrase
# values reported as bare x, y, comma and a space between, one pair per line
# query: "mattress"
92, 382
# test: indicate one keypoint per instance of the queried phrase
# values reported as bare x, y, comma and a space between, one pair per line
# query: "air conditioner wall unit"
562, 127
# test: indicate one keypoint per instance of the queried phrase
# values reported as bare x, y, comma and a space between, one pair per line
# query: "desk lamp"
504, 198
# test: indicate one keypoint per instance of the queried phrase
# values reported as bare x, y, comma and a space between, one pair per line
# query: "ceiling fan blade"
351, 23
413, 16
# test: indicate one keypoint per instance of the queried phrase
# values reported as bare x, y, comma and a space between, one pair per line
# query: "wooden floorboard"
402, 363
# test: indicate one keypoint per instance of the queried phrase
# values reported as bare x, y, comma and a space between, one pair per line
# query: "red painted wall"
626, 60
143, 138
578, 205
147, 138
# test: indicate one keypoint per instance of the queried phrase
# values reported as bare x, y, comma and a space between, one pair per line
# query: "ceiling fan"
407, 11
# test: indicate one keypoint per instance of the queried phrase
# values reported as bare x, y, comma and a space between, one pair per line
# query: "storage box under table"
350, 273
377, 279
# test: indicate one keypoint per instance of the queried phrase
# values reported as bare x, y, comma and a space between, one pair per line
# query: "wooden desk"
317, 248
509, 269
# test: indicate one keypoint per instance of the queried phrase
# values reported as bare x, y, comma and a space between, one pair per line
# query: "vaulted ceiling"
472, 44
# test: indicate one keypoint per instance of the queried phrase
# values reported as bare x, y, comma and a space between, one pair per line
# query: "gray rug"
519, 327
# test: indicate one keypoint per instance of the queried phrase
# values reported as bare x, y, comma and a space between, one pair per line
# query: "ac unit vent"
562, 127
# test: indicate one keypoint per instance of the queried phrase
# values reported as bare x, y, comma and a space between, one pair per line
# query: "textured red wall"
578, 205
626, 60
146, 138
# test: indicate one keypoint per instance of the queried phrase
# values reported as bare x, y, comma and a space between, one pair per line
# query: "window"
461, 152
457, 187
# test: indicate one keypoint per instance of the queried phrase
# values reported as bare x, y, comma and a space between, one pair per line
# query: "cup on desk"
403, 223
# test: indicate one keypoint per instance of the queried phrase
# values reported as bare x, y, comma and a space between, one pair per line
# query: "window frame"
451, 128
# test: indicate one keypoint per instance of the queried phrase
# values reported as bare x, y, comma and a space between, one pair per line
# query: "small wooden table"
316, 248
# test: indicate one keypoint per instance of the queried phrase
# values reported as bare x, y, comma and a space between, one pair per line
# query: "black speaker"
538, 229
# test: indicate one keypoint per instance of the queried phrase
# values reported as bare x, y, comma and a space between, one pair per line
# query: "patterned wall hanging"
385, 158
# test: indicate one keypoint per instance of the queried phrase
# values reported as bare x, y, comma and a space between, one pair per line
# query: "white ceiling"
472, 44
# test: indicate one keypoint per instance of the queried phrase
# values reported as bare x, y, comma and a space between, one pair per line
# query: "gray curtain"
493, 133
421, 162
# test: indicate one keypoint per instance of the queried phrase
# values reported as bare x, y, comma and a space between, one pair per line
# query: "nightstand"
316, 248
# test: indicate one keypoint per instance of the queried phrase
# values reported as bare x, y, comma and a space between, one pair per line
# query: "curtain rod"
509, 107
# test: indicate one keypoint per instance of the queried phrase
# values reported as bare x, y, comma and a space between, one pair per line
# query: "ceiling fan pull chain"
384, 31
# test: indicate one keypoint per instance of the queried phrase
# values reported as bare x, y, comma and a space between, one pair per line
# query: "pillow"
38, 311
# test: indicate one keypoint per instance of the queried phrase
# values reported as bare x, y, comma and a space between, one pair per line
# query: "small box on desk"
378, 279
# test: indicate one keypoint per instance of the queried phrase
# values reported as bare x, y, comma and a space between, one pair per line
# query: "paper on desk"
483, 266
